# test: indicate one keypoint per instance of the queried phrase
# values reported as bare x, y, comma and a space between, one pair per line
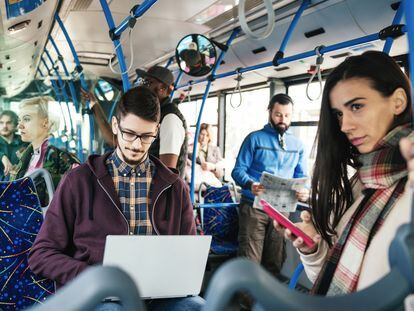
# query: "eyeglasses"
131, 137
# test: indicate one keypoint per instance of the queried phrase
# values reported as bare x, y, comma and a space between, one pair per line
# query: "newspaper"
280, 192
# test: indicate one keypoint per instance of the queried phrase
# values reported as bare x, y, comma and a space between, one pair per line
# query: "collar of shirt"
126, 170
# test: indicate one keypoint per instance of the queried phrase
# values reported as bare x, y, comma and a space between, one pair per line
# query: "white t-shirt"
172, 134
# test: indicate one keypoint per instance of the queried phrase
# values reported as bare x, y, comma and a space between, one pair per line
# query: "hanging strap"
317, 71
237, 89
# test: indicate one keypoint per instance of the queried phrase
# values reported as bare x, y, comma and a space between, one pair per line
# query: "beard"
280, 127
132, 161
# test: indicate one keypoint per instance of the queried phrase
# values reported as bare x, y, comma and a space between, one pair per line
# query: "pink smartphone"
286, 223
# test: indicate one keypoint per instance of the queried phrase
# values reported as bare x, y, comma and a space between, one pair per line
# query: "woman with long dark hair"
358, 195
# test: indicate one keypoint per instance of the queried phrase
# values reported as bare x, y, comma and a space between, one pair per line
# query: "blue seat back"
221, 223
20, 220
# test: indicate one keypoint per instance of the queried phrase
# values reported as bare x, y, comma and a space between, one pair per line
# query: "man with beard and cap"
11, 145
123, 192
171, 144
275, 150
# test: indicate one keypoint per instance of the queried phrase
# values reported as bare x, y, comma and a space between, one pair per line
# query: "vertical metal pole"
118, 48
71, 85
288, 35
61, 85
169, 62
397, 19
82, 80
180, 74
197, 133
409, 17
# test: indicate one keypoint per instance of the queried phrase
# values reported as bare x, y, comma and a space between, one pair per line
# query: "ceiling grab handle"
316, 71
270, 21
237, 89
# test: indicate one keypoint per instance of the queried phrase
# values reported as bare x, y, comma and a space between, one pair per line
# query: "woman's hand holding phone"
307, 227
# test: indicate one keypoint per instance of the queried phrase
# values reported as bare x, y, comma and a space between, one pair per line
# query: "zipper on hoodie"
123, 216
153, 209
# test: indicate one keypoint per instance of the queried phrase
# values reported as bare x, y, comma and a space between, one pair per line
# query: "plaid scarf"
383, 174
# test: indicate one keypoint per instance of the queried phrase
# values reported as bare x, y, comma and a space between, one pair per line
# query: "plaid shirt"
133, 186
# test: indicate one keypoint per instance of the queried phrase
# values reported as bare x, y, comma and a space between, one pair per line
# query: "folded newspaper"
280, 192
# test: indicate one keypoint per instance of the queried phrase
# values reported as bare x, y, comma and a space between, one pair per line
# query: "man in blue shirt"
275, 150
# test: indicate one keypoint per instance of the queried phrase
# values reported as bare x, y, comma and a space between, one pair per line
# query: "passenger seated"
11, 144
209, 162
37, 122
365, 112
123, 192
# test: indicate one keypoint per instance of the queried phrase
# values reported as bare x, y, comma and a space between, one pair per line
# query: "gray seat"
91, 287
386, 294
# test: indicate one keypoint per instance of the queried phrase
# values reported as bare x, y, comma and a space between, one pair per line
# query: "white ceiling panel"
181, 10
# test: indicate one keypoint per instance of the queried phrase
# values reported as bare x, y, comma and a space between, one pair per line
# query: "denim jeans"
171, 304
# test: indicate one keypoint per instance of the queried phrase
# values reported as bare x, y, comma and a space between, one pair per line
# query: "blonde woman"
36, 124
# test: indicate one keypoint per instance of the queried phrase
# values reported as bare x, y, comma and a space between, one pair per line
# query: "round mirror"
196, 55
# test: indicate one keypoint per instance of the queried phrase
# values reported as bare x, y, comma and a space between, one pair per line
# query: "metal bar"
61, 85
180, 75
118, 47
397, 19
216, 205
330, 48
292, 26
409, 18
197, 133
83, 84
169, 62
65, 69
64, 94
138, 12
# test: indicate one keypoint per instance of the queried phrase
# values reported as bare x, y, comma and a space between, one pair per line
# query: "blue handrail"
397, 19
180, 75
82, 80
61, 85
326, 49
288, 35
197, 133
138, 11
118, 47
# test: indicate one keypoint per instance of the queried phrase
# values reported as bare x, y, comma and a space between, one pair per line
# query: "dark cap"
162, 74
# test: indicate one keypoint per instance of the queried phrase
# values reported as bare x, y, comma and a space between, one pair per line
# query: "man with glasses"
171, 144
126, 191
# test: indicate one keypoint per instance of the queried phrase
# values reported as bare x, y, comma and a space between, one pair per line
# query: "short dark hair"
12, 115
282, 99
141, 102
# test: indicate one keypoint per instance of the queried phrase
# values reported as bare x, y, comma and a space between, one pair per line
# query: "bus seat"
244, 275
20, 221
221, 223
96, 283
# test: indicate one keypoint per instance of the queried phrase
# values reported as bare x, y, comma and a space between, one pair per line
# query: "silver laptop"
162, 266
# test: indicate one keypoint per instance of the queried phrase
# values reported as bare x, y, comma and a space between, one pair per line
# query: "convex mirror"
196, 55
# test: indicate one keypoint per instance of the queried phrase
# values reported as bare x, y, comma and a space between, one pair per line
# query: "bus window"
250, 116
307, 111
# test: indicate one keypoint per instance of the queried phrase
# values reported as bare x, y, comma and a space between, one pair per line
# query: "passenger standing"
123, 192
365, 112
171, 144
272, 149
11, 145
